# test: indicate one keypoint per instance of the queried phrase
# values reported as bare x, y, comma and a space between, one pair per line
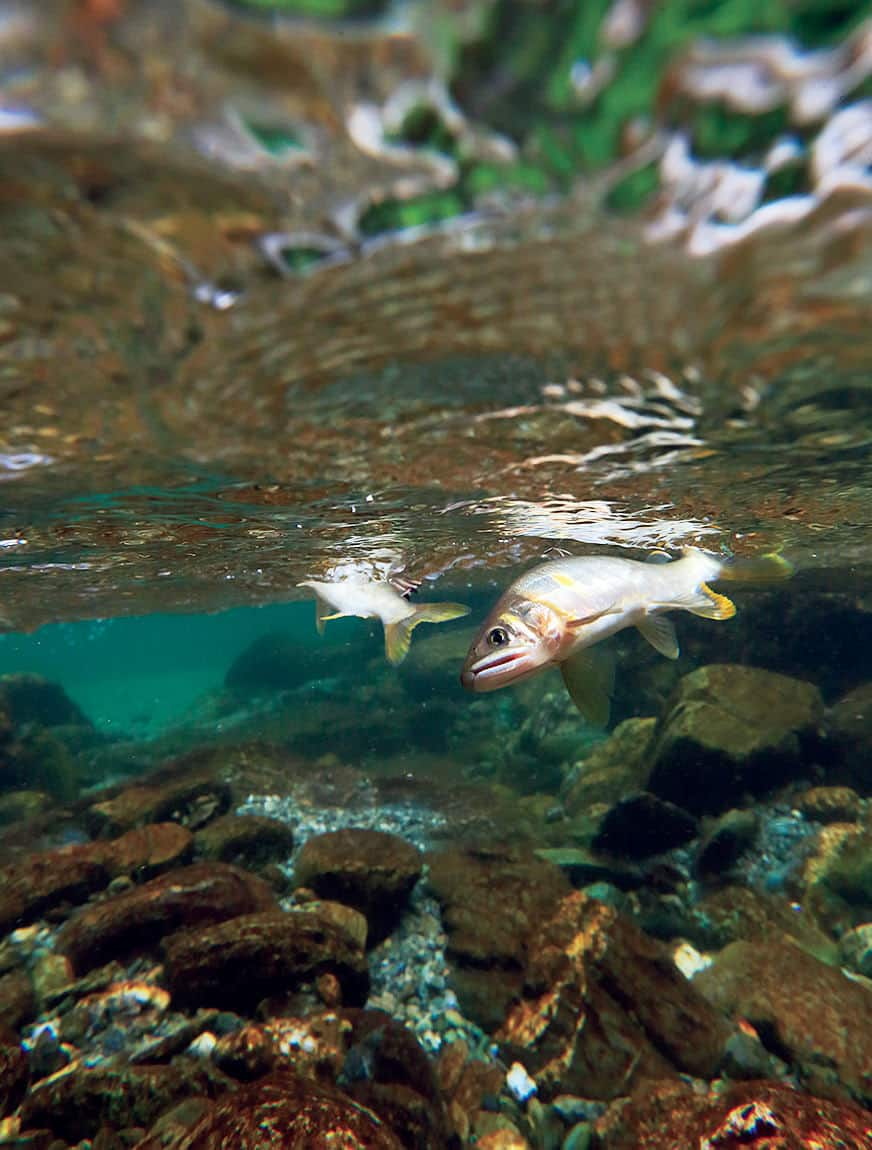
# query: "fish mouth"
493, 671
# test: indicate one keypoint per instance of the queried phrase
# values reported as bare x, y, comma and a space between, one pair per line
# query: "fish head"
516, 640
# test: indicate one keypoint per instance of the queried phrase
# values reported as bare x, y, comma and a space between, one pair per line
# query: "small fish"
378, 599
556, 612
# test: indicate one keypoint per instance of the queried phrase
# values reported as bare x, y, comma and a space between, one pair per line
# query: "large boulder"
729, 731
603, 1006
372, 871
850, 726
809, 1013
755, 1115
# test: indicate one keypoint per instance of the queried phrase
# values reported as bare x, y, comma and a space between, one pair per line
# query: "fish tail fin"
398, 635
709, 604
769, 568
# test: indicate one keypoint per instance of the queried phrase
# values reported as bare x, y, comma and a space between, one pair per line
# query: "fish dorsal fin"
589, 676
398, 635
660, 633
658, 557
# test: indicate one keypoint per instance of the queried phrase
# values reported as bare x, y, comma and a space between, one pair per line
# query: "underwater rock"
732, 913
45, 881
234, 964
731, 730
28, 698
613, 769
806, 1012
313, 1046
672, 1116
372, 871
642, 825
288, 1111
725, 840
850, 726
830, 804
247, 840
20, 806
278, 661
198, 894
491, 900
76, 1102
14, 1072
17, 1000
838, 875
191, 800
146, 852
387, 1070
855, 947
603, 1005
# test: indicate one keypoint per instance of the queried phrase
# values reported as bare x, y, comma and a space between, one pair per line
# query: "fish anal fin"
710, 605
660, 633
398, 635
589, 676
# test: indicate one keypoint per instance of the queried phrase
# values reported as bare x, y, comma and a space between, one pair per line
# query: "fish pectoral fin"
660, 633
321, 608
589, 676
398, 635
576, 624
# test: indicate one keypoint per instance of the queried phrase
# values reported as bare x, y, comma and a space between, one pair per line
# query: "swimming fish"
379, 599
556, 612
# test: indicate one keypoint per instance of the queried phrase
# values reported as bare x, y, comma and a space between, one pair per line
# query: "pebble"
520, 1085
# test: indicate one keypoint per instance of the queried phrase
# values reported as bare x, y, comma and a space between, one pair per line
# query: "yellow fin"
710, 605
398, 635
589, 676
771, 568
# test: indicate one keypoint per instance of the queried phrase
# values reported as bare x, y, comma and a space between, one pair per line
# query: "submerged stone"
732, 730
191, 799
198, 894
643, 825
78, 1101
248, 840
235, 964
492, 900
850, 725
286, 1111
806, 1012
672, 1116
372, 871
603, 1006
725, 841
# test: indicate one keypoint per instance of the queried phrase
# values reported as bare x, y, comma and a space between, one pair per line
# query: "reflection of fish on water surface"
555, 613
357, 592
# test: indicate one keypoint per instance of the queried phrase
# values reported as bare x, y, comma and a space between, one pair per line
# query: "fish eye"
498, 637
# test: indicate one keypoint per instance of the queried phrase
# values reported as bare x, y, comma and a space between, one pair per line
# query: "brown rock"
17, 1000
147, 851
198, 894
289, 1112
729, 730
736, 912
490, 900
387, 1070
760, 1115
313, 1047
14, 1072
850, 725
830, 804
75, 1103
45, 881
247, 840
613, 769
369, 870
191, 800
237, 963
808, 1013
604, 1006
